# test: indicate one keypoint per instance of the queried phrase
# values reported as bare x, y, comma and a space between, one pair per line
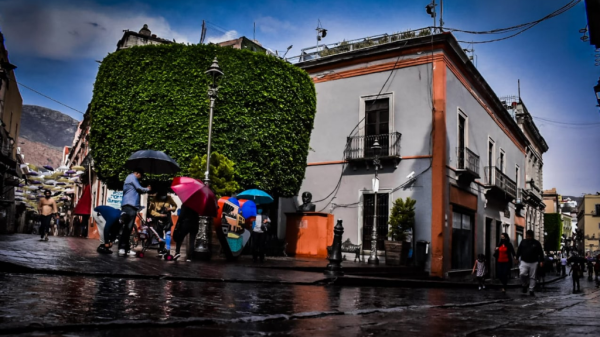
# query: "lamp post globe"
376, 149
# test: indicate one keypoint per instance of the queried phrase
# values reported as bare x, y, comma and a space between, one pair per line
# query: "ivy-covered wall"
155, 97
553, 226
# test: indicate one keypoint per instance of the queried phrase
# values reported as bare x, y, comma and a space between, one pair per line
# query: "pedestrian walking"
531, 254
479, 270
576, 271
563, 265
597, 269
504, 254
259, 235
590, 266
46, 208
130, 205
187, 224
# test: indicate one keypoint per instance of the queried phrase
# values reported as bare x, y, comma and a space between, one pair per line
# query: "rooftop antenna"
254, 33
321, 33
519, 88
441, 15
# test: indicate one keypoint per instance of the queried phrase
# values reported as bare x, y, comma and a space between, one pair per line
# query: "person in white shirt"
260, 226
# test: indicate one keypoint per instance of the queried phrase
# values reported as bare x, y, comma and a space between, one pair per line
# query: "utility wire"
524, 26
565, 123
50, 98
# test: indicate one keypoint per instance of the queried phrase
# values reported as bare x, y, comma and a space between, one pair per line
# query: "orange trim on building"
438, 169
463, 198
378, 68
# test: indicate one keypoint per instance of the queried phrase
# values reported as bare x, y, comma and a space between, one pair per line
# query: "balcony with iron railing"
495, 178
359, 148
468, 161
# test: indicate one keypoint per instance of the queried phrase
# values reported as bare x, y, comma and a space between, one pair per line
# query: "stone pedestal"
309, 234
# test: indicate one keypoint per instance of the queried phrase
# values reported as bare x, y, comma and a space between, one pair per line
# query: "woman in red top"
505, 254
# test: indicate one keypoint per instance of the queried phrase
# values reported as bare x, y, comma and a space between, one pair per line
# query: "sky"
55, 45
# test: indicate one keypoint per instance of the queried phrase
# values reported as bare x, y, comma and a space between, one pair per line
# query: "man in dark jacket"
531, 253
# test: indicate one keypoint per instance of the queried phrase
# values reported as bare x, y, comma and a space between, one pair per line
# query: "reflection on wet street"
61, 301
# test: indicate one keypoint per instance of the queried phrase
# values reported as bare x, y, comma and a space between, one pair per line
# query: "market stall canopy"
84, 204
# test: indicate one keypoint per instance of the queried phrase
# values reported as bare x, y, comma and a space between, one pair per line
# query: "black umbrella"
152, 162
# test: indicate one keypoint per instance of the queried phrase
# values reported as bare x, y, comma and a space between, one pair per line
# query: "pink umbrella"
195, 195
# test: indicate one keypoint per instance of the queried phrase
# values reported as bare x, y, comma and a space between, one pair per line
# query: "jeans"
503, 272
128, 226
45, 224
527, 272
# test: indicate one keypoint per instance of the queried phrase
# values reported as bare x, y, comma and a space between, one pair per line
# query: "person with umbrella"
186, 224
130, 205
259, 231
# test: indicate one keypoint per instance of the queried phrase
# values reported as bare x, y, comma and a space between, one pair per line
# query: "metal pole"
212, 92
441, 14
373, 258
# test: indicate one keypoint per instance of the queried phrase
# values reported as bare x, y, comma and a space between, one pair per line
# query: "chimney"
154, 35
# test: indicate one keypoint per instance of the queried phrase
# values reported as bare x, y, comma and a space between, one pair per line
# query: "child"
480, 268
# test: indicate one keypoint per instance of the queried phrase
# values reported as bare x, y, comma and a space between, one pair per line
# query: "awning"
84, 205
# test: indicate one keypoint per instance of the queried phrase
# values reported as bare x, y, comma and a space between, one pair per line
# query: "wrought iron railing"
495, 177
324, 50
360, 147
468, 160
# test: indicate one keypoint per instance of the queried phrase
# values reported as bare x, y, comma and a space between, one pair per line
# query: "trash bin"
421, 252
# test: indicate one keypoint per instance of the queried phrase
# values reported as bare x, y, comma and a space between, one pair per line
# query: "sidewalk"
23, 253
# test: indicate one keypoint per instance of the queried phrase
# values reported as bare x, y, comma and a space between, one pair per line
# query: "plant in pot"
401, 220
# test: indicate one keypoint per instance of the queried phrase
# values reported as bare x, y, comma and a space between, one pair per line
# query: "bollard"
202, 242
334, 268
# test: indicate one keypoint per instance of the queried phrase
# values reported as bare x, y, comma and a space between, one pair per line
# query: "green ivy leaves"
155, 97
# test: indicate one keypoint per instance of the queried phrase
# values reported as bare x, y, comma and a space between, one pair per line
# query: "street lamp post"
213, 89
373, 258
202, 249
506, 225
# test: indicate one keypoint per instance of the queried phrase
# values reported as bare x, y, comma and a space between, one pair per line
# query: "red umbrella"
195, 195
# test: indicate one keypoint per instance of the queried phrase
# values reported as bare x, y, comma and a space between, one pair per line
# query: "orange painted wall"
439, 183
309, 234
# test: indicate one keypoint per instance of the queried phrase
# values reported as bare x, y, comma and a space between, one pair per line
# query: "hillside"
44, 132
47, 126
40, 154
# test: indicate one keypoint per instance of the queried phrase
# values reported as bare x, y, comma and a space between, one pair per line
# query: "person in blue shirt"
130, 205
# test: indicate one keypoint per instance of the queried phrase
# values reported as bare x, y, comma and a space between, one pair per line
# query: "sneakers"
483, 286
121, 252
524, 290
131, 253
176, 256
531, 293
103, 250
479, 288
46, 237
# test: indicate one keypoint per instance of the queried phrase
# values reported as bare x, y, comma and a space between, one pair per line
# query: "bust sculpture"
307, 205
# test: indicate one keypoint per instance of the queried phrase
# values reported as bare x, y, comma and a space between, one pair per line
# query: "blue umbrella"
258, 196
248, 209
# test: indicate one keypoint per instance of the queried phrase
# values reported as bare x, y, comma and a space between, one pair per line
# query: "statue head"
306, 197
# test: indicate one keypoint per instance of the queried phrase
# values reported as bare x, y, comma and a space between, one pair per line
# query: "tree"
402, 218
222, 173
155, 97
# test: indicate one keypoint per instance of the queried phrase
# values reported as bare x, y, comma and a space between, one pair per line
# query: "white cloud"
229, 35
271, 25
62, 32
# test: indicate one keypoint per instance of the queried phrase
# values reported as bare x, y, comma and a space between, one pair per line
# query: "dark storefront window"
382, 219
462, 240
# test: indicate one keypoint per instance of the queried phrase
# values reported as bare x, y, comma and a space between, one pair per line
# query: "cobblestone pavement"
104, 306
